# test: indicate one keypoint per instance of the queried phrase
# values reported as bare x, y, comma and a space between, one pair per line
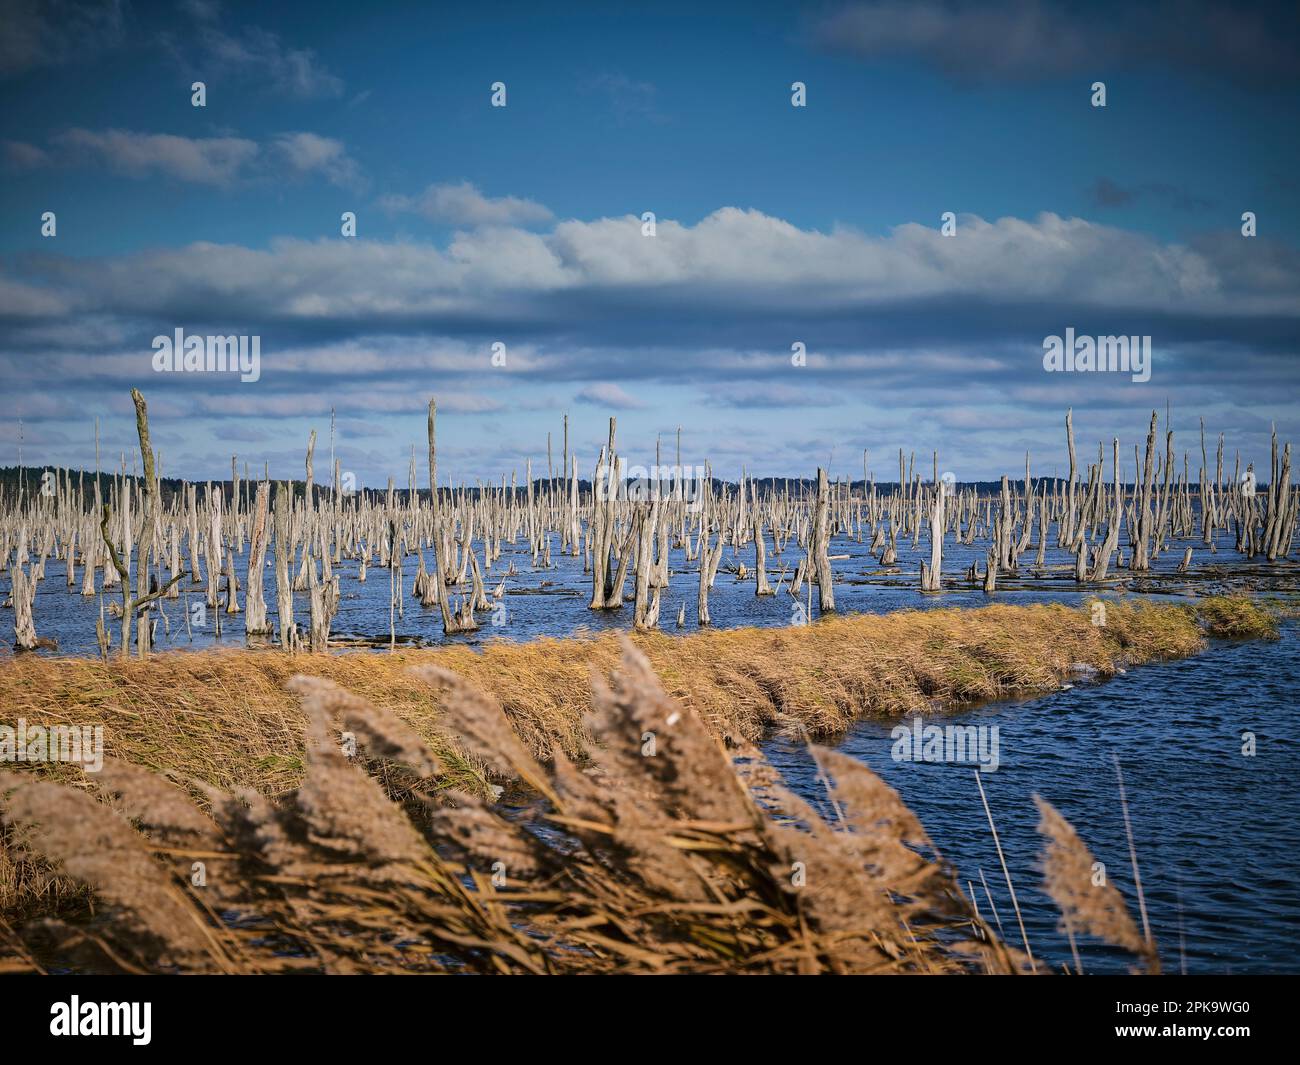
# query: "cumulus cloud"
464, 205
733, 265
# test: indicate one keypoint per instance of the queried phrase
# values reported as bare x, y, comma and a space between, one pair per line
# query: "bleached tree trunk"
232, 585
192, 515
149, 497
324, 603
137, 606
310, 495
24, 594
1065, 537
283, 563
174, 567
94, 552
761, 587
604, 510
931, 575
254, 596
819, 546
1279, 490
1102, 563
705, 553
1140, 561
646, 609
214, 550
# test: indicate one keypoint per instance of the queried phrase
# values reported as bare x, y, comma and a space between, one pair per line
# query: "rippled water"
1216, 831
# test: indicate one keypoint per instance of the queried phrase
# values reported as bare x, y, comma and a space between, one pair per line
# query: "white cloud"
606, 394
465, 205
258, 54
731, 263
19, 155
207, 161
216, 161
307, 153
19, 300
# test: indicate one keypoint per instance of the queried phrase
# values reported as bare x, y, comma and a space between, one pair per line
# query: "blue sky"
520, 225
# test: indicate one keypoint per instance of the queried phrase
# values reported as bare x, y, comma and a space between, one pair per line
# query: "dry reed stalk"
1006, 873
1087, 905
161, 928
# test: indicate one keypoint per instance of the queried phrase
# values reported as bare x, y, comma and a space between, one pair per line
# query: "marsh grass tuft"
1238, 618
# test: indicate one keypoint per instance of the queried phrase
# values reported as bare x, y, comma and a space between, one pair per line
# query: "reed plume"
1089, 903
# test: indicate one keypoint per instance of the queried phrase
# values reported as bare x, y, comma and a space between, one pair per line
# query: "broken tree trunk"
931, 575
646, 608
283, 562
1102, 561
254, 595
24, 593
761, 587
1142, 534
819, 544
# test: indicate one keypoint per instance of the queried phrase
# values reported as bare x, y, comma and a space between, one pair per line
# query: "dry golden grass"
671, 860
1238, 618
227, 718
233, 721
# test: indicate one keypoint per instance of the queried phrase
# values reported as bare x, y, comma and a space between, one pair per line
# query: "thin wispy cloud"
609, 395
253, 54
203, 161
629, 100
1107, 193
50, 33
462, 204
215, 161
1023, 40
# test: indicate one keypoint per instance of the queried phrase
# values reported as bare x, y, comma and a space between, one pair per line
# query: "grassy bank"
228, 719
691, 858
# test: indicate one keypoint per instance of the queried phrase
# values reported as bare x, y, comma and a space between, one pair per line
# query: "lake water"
553, 602
1215, 830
